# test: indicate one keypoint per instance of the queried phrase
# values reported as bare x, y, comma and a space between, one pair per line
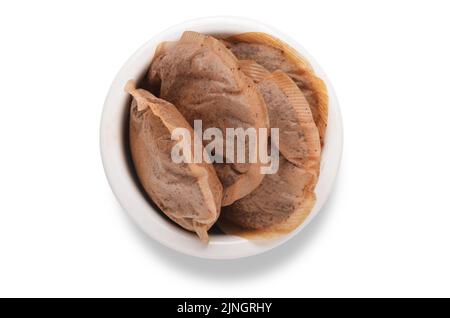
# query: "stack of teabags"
253, 167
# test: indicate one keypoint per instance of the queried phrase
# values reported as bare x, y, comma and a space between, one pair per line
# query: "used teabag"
278, 206
201, 77
188, 193
273, 54
283, 200
289, 111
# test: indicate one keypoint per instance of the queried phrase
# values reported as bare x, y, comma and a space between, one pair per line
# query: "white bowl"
118, 169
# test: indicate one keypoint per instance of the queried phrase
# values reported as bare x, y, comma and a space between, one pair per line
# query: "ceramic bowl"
119, 170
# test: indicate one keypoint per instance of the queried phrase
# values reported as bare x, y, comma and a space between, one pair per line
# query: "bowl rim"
124, 185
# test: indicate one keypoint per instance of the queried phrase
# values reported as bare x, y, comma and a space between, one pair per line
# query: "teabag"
188, 193
278, 206
273, 54
202, 78
284, 199
290, 112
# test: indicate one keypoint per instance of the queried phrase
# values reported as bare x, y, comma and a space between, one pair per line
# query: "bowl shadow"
226, 270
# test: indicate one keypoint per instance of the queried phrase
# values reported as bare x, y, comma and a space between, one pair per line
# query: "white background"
384, 232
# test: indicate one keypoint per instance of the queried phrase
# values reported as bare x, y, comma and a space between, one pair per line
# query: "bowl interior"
119, 168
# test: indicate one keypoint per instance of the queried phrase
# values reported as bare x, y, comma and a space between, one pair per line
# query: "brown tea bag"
290, 112
278, 206
253, 70
273, 54
284, 199
189, 194
202, 78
